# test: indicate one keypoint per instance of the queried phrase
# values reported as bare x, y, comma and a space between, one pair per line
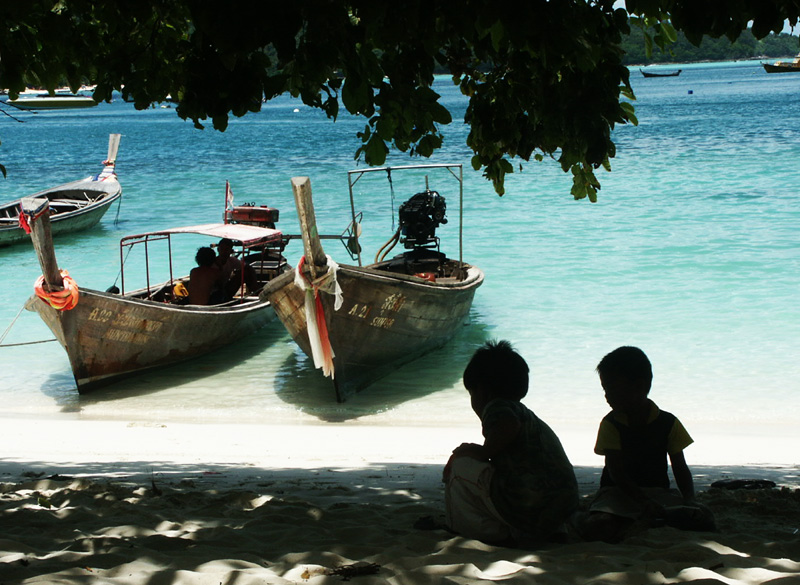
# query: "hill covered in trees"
682, 51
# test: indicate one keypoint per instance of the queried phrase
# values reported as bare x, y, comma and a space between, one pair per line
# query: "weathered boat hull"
386, 319
107, 192
73, 206
108, 336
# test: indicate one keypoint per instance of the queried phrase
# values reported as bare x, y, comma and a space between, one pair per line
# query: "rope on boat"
26, 218
8, 329
64, 299
27, 343
5, 333
2, 111
119, 204
122, 264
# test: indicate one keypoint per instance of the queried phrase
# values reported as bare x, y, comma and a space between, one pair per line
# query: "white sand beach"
131, 503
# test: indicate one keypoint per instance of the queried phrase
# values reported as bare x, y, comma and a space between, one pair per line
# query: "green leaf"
375, 151
668, 31
355, 96
497, 32
630, 112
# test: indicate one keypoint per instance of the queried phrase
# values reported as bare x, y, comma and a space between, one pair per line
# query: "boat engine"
419, 218
250, 214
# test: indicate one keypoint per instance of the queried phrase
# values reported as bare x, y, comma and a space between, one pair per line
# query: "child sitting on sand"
518, 487
636, 438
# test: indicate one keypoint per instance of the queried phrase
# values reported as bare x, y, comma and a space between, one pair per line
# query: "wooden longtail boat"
661, 73
108, 335
73, 206
365, 321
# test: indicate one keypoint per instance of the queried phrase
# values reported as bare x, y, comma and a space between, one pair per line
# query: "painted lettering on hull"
127, 336
124, 327
391, 304
359, 311
382, 322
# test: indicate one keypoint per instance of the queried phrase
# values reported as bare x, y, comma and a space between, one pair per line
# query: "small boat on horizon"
792, 66
60, 100
661, 73
359, 323
112, 334
73, 206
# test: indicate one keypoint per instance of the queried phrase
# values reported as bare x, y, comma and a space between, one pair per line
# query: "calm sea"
691, 253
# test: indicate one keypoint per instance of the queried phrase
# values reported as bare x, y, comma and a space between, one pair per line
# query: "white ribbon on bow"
321, 350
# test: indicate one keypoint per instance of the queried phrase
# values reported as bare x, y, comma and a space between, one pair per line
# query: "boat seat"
265, 265
267, 269
73, 202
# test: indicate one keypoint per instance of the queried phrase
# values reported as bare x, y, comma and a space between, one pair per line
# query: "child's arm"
683, 476
497, 439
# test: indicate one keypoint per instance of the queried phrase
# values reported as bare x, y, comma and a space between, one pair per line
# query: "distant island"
682, 51
746, 47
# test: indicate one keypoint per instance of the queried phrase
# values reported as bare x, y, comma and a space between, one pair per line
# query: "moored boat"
792, 66
359, 323
661, 73
56, 101
73, 206
109, 335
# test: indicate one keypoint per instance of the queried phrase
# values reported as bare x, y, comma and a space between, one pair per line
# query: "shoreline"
272, 444
102, 447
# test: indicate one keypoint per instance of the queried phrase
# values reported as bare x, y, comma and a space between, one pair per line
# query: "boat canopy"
247, 235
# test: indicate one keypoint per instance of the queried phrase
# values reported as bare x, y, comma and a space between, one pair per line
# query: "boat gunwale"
107, 195
474, 274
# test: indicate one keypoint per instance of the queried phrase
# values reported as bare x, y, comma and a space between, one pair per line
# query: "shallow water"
691, 253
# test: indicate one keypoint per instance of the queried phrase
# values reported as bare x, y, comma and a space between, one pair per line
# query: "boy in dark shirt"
518, 487
636, 438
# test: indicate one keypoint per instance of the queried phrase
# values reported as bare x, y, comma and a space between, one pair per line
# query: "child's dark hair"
500, 369
205, 256
628, 362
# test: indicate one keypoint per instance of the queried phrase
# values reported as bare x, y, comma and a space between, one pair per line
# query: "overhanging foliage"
543, 78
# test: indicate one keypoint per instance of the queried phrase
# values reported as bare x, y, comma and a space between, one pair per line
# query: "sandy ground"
124, 503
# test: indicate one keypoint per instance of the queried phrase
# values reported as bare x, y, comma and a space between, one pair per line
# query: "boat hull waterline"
111, 335
107, 337
390, 312
386, 320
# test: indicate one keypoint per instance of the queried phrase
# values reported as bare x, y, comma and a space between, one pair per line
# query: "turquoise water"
691, 253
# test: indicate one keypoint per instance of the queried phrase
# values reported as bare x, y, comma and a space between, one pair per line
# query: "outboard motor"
419, 218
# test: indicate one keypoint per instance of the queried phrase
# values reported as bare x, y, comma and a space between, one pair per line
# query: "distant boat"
660, 73
58, 101
73, 206
783, 66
